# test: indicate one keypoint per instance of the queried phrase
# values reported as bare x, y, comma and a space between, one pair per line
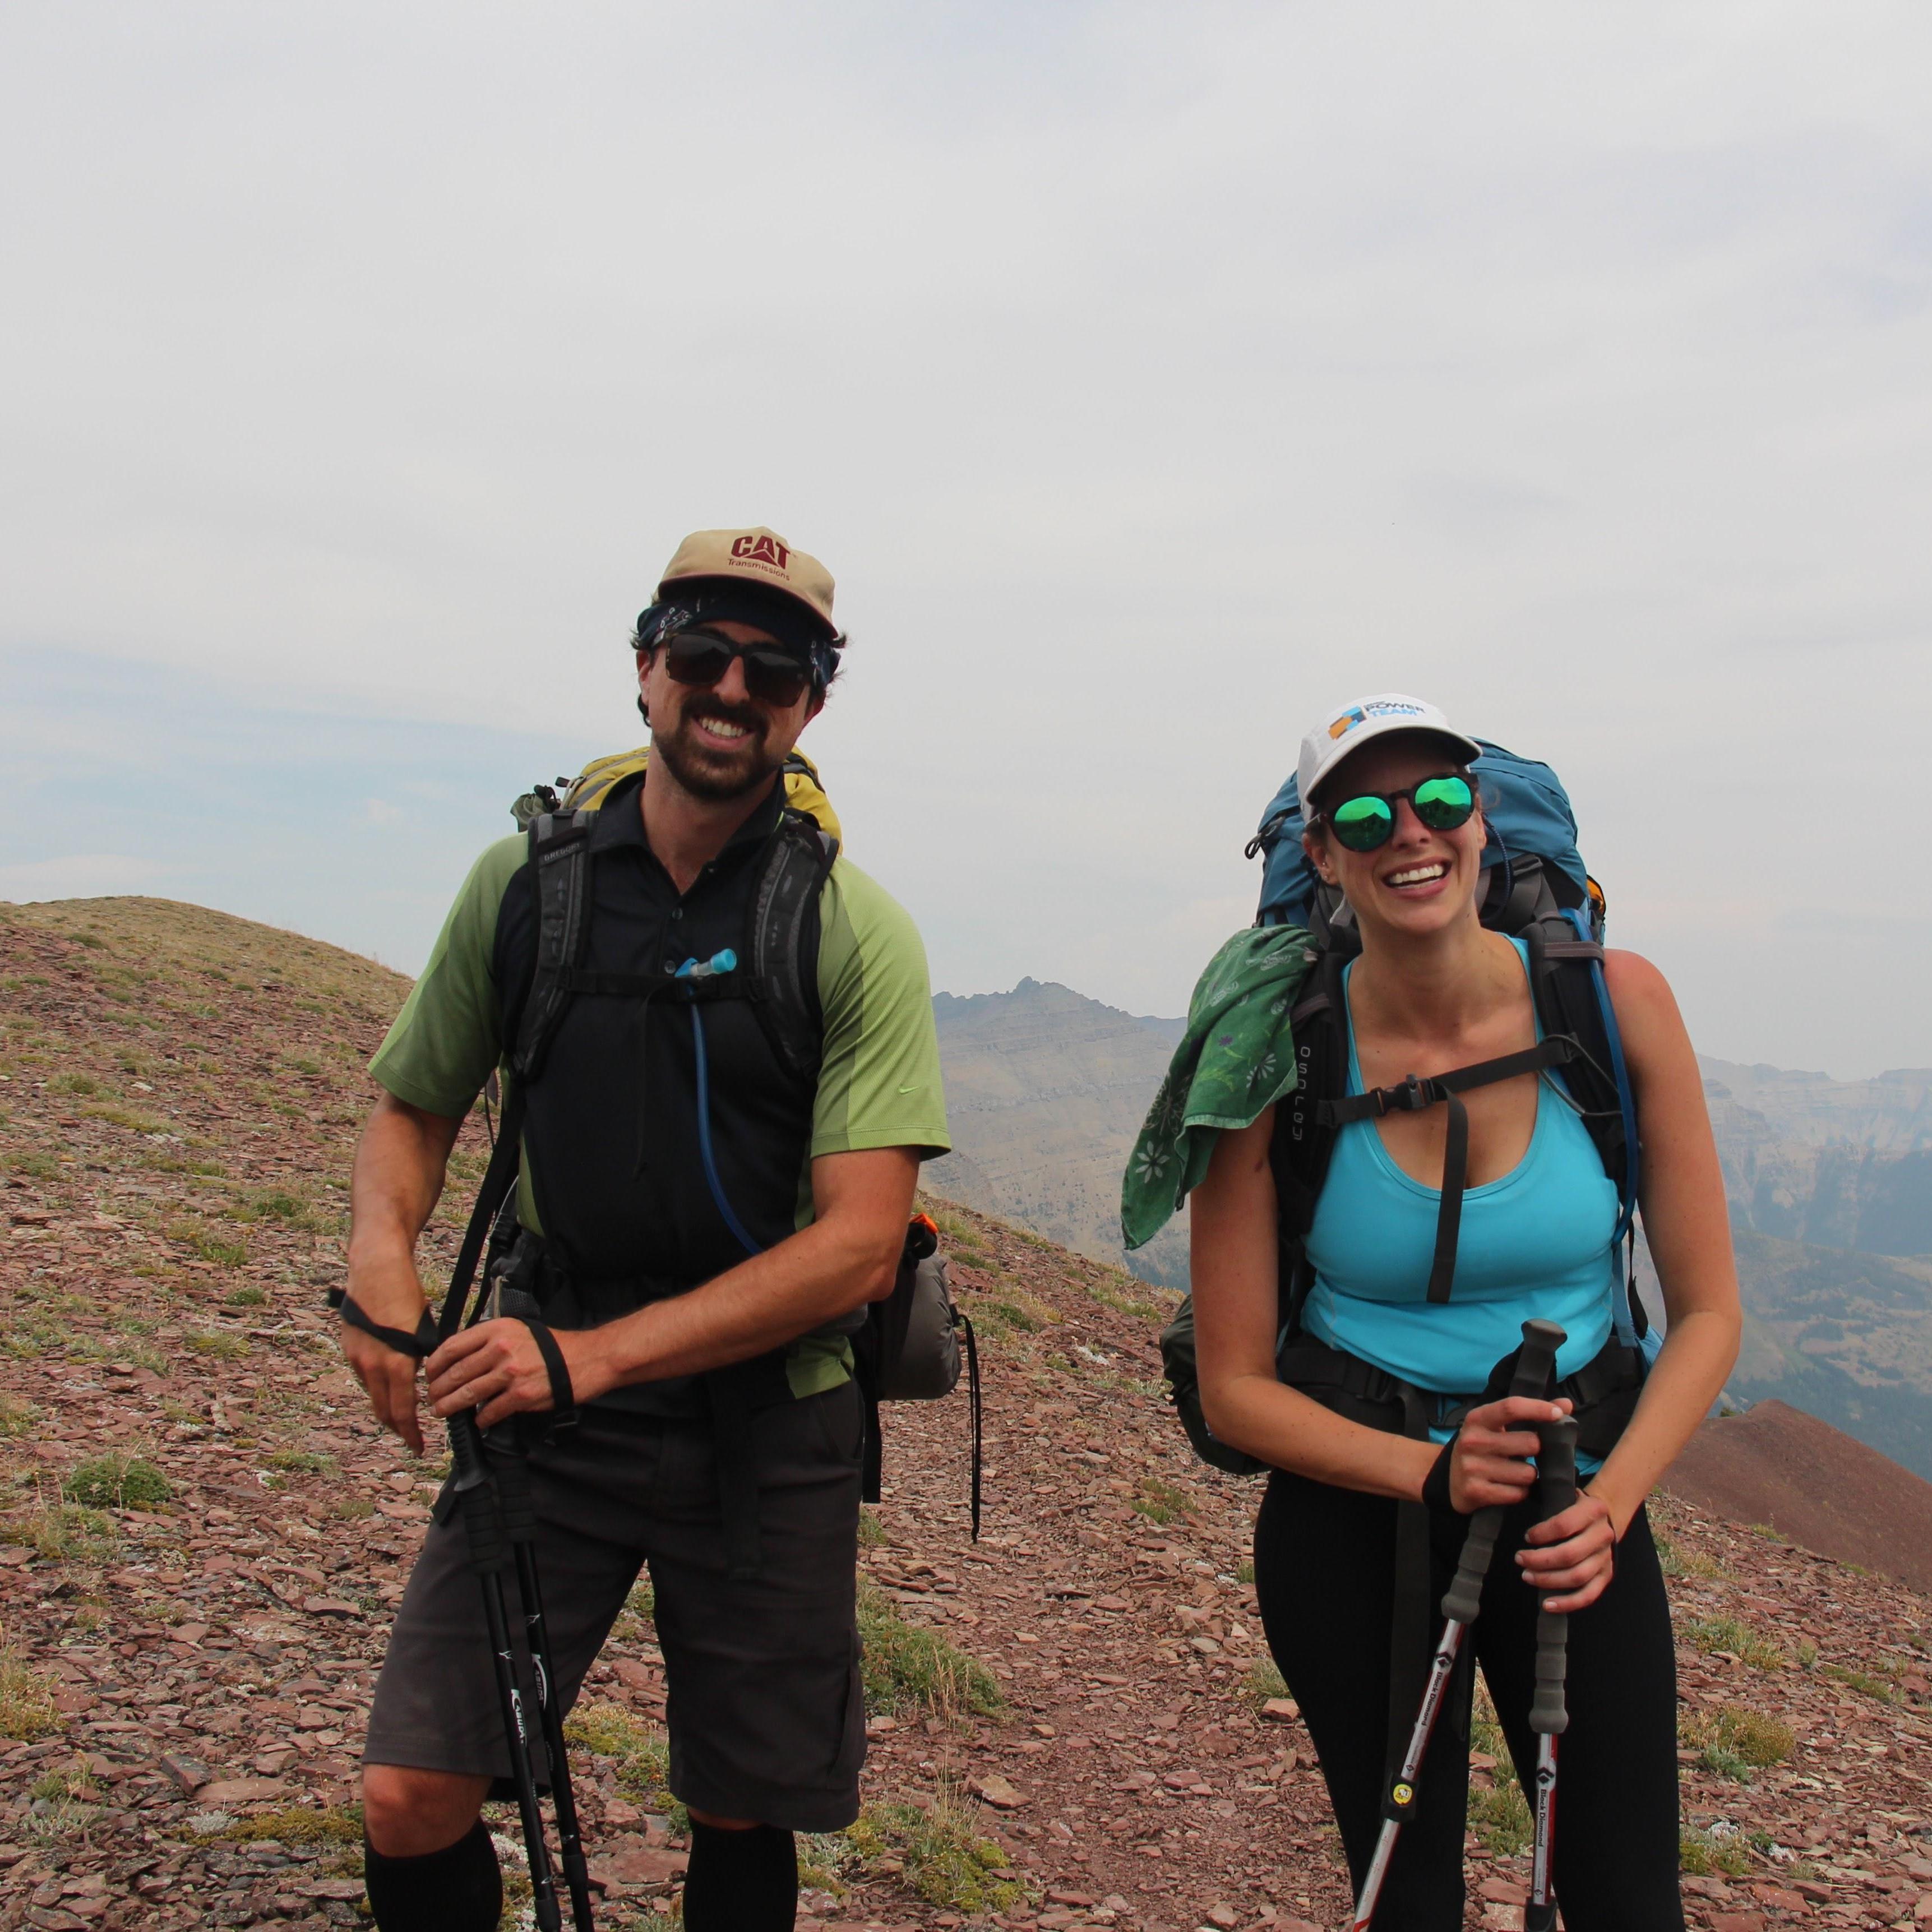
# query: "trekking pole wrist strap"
562, 1396
419, 1344
1436, 1494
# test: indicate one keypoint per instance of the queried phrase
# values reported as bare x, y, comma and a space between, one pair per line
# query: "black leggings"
1324, 1565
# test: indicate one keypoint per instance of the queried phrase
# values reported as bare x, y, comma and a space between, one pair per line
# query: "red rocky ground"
182, 1683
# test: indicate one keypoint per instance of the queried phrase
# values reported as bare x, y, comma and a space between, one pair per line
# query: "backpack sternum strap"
1414, 1094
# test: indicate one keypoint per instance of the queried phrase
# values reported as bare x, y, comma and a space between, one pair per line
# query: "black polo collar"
620, 822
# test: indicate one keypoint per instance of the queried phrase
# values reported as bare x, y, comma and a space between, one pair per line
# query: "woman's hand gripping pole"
1535, 1369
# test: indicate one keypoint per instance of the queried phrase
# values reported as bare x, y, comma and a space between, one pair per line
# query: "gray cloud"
1150, 378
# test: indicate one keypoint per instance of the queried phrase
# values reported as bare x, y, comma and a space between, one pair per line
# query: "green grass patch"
871, 1532
1688, 1564
1121, 1299
1158, 1502
1735, 1741
1499, 1815
1731, 1634
1867, 1683
73, 1083
71, 1533
300, 1462
26, 1700
18, 1417
1018, 1309
955, 1232
1264, 1681
641, 1751
210, 1243
274, 1204
118, 1482
939, 1855
637, 1621
300, 1824
126, 1116
247, 1296
910, 1668
220, 1347
1705, 1856
73, 1786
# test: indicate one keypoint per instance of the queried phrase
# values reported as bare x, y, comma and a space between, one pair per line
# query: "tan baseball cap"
758, 556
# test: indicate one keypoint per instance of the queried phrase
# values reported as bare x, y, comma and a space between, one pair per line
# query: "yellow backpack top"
598, 779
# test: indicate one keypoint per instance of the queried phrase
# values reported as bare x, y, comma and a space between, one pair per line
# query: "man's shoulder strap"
781, 935
559, 864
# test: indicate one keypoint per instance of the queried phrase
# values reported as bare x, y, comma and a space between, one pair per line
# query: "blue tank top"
1535, 1243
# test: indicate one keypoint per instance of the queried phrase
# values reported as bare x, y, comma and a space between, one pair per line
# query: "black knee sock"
457, 1889
740, 1881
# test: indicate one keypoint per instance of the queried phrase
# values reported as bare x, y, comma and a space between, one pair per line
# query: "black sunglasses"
1364, 823
773, 674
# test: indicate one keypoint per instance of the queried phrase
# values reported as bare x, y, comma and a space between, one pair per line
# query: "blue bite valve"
724, 961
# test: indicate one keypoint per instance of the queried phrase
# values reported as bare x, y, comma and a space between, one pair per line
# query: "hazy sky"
1149, 377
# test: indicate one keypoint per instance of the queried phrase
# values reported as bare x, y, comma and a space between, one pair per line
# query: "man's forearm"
820, 1272
400, 1163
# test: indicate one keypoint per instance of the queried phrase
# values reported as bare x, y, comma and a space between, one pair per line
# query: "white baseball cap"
1349, 727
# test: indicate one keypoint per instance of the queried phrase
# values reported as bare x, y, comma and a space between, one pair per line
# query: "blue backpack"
1538, 891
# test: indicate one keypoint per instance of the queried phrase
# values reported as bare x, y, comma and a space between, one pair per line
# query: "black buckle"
1409, 1096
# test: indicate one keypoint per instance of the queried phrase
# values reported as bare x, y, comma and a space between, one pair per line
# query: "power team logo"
1362, 713
753, 548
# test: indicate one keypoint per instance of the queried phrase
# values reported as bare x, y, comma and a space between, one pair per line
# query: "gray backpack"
909, 1349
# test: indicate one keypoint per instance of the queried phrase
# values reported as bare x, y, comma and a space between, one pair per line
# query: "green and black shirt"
612, 1175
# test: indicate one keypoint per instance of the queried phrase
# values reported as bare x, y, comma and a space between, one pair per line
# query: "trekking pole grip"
1556, 1490
476, 1496
1535, 1366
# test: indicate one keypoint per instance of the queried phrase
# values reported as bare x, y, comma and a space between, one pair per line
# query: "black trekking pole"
519, 1528
1535, 1366
490, 1557
1549, 1718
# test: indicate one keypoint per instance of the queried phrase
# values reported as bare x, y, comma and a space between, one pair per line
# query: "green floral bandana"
1236, 1058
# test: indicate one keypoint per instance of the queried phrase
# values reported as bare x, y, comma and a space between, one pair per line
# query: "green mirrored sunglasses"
1363, 822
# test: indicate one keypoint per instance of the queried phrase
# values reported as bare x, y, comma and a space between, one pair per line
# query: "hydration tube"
718, 963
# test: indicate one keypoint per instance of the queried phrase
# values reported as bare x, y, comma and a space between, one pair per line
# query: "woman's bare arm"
1688, 1225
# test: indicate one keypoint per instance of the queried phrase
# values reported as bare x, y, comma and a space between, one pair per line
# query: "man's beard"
702, 769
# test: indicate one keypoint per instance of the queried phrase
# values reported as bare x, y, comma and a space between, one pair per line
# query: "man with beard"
700, 1290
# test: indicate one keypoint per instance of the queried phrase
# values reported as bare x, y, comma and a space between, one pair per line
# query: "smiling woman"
1464, 1203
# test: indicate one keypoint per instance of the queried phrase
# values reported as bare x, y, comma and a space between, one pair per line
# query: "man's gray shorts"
766, 1710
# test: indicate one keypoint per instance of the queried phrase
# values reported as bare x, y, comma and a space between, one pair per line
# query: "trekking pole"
1535, 1364
520, 1529
489, 1557
1549, 1716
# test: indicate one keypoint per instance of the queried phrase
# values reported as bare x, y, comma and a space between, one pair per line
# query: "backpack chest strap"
1415, 1094
583, 979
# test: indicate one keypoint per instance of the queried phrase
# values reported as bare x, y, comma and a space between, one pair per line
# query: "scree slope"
202, 1537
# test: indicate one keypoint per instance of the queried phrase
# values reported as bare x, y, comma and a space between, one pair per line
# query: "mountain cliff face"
1834, 1163
1046, 1090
